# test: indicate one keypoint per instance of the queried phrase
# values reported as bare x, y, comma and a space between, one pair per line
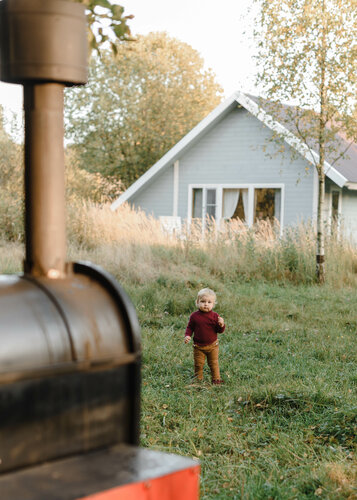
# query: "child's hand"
187, 339
220, 321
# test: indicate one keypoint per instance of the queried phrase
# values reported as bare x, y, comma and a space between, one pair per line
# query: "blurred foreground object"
70, 338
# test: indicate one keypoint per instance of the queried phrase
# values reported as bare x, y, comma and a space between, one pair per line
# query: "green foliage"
11, 216
106, 23
82, 185
11, 186
307, 54
137, 105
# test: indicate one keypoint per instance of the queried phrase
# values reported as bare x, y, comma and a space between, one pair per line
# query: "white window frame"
204, 188
219, 199
175, 198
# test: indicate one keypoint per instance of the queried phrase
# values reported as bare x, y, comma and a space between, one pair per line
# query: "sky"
219, 30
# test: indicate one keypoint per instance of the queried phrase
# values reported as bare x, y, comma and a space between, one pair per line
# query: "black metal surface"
69, 366
133, 336
98, 471
132, 329
51, 417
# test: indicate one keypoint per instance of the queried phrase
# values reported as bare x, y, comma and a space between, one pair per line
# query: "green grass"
284, 425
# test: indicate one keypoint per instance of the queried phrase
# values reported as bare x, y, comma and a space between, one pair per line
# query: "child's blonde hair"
206, 291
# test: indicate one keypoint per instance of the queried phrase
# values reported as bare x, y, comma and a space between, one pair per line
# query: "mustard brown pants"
200, 353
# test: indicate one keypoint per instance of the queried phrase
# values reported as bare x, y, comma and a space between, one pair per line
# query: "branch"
303, 138
342, 154
114, 28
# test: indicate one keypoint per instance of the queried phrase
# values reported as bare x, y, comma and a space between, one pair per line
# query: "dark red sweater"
204, 327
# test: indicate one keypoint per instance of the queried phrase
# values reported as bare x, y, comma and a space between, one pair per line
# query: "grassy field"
284, 425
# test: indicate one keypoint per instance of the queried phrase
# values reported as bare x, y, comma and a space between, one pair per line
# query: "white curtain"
230, 202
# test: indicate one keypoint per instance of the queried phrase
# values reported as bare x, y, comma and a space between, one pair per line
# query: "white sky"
214, 28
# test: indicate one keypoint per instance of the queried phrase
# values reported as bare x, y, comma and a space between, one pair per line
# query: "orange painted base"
176, 486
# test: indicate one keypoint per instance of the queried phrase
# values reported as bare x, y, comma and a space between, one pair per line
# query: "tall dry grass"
93, 224
134, 245
11, 257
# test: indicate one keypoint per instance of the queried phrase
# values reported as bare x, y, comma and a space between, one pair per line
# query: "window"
197, 203
267, 204
335, 205
204, 203
211, 203
235, 204
335, 211
248, 203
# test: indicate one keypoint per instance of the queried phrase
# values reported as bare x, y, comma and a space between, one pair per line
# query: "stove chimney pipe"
44, 48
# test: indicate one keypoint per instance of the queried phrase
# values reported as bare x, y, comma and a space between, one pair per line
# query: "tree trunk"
320, 243
320, 247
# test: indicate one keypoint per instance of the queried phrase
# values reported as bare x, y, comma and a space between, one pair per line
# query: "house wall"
330, 186
157, 198
349, 213
232, 153
347, 209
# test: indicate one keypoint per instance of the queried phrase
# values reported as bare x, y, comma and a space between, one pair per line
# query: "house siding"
232, 153
349, 213
157, 198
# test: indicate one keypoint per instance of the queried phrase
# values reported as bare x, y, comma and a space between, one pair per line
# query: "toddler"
204, 324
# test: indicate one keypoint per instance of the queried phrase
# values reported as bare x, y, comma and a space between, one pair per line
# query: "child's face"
206, 303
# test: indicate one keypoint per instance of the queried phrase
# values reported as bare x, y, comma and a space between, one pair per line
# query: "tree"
11, 183
308, 55
106, 23
138, 104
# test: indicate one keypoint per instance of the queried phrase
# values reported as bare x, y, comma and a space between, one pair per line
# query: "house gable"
293, 141
169, 158
204, 127
231, 155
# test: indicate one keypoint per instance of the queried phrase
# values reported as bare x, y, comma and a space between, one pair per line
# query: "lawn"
284, 425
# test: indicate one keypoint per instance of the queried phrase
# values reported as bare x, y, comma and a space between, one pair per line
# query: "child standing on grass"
204, 324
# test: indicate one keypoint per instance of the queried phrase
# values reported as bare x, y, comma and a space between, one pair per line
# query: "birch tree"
307, 55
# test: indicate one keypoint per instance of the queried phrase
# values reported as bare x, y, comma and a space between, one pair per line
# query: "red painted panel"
180, 485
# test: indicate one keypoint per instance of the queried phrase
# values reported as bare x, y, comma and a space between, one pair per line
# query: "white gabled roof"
309, 154
209, 122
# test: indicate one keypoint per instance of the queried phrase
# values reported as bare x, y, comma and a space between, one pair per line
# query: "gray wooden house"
221, 169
